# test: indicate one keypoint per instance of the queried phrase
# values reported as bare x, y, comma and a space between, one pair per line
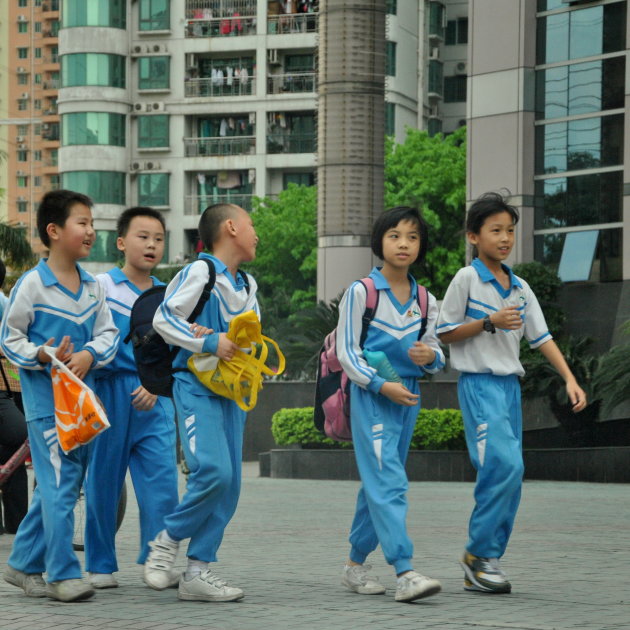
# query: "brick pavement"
568, 560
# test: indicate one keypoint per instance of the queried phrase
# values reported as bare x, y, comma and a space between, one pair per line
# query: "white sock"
195, 568
163, 536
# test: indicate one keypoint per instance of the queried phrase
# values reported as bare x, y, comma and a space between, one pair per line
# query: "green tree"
285, 267
429, 172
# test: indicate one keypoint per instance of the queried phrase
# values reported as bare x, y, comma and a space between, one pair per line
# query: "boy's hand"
508, 318
63, 352
399, 394
226, 347
421, 354
200, 331
79, 363
577, 396
142, 400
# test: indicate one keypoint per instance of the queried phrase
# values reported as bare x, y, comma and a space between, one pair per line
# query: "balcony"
217, 87
196, 204
234, 145
291, 143
295, 82
222, 27
50, 5
292, 23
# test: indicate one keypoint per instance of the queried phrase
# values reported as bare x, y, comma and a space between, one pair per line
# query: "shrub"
436, 429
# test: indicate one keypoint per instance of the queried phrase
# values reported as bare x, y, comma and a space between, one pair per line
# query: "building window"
104, 248
22, 105
37, 156
22, 79
22, 156
153, 189
93, 69
22, 53
22, 130
436, 77
101, 186
93, 128
390, 119
38, 79
153, 73
37, 181
22, 181
455, 89
390, 60
38, 27
390, 7
153, 131
456, 32
434, 126
22, 206
37, 104
299, 179
23, 27
436, 19
155, 15
38, 53
111, 13
22, 3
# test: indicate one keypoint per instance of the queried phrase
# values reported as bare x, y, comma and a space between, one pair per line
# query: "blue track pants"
491, 406
211, 432
381, 432
145, 443
44, 539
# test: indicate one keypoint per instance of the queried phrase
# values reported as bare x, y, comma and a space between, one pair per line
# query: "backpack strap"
245, 279
371, 303
207, 290
423, 303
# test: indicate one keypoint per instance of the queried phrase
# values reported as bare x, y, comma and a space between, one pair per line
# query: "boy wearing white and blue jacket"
383, 414
142, 435
210, 426
56, 302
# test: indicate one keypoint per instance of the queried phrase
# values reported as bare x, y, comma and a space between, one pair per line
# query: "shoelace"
162, 556
494, 563
211, 578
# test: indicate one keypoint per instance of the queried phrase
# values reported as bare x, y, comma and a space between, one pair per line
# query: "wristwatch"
488, 326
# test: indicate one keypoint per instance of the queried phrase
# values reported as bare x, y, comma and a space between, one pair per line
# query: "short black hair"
390, 219
124, 220
55, 207
3, 272
211, 220
485, 206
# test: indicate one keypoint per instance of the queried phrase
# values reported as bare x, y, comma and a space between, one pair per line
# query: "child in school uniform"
210, 426
485, 313
383, 414
55, 303
142, 433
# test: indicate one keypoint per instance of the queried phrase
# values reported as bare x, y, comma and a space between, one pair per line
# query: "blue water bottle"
379, 361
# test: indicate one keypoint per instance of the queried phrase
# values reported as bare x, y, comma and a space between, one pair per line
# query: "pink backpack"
332, 387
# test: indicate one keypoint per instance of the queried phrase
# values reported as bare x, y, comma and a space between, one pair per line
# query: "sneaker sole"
358, 589
433, 590
472, 584
77, 598
194, 597
14, 582
155, 587
102, 585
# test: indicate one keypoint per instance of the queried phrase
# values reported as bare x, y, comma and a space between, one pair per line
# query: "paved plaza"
569, 562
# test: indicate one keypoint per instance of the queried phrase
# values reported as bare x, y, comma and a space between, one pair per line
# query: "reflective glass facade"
153, 73
153, 189
153, 131
154, 15
93, 128
101, 186
92, 69
111, 13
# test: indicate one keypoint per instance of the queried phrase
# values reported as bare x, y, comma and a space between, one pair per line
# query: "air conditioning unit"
21, 198
435, 53
434, 112
20, 173
21, 70
22, 147
22, 18
272, 56
136, 166
156, 107
136, 50
156, 48
191, 61
24, 95
461, 68
138, 107
46, 126
152, 166
19, 138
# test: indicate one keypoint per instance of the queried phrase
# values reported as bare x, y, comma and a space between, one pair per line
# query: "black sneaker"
484, 574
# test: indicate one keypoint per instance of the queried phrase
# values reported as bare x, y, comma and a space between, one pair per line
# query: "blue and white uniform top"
40, 308
228, 299
474, 293
121, 295
393, 330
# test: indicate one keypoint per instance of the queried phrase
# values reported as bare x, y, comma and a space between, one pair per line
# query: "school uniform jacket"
40, 308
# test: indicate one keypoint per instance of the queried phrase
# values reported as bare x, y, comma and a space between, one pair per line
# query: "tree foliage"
429, 172
15, 250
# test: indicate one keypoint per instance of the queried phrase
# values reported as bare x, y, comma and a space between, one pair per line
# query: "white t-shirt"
474, 293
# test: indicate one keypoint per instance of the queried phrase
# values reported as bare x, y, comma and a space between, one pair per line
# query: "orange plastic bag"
79, 416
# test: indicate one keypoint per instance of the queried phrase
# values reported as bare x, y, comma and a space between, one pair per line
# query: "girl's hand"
421, 354
577, 396
508, 318
79, 363
63, 352
200, 331
226, 347
142, 400
399, 394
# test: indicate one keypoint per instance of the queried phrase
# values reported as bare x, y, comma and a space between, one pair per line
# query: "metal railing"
290, 143
292, 23
208, 9
292, 82
208, 86
222, 27
196, 204
221, 145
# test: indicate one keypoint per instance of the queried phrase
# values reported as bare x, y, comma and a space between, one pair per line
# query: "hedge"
436, 429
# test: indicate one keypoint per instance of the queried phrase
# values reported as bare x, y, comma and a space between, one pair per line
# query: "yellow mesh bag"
241, 378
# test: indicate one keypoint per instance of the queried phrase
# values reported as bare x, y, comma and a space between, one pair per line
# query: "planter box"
604, 465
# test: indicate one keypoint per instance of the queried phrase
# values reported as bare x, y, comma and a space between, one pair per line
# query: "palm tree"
15, 250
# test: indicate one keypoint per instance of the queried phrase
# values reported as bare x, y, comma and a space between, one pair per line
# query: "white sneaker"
32, 583
71, 590
208, 587
102, 580
158, 567
412, 586
355, 577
